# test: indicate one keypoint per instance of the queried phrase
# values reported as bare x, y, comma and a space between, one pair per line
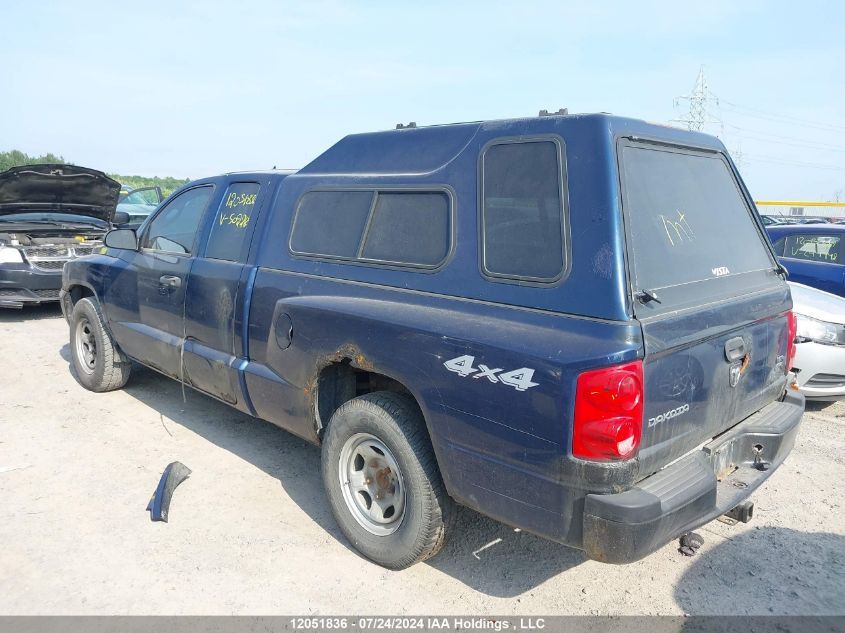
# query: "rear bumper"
21, 285
624, 527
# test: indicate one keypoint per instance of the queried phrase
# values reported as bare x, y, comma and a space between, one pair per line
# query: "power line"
700, 114
775, 160
786, 141
762, 114
803, 141
800, 145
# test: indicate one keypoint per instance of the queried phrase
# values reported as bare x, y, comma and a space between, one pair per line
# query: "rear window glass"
522, 212
331, 223
234, 222
815, 248
687, 219
410, 228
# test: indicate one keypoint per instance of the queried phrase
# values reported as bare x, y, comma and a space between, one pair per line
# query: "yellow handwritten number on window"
238, 220
235, 199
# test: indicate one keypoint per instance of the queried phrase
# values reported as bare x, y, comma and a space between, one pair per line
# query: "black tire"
428, 512
105, 368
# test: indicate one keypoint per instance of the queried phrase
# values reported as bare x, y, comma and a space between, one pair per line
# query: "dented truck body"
539, 252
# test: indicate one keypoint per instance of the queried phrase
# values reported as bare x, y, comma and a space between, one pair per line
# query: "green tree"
16, 158
168, 184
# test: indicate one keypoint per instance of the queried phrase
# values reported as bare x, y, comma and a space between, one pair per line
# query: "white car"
820, 344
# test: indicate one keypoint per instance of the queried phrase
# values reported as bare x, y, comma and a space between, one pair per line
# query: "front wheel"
382, 481
98, 364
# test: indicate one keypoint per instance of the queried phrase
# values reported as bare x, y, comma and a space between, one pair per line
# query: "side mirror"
120, 217
122, 238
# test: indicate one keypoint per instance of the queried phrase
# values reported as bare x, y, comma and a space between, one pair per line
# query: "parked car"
460, 314
820, 343
138, 204
813, 254
770, 219
49, 215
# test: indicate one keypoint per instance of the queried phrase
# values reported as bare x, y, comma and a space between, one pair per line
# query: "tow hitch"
743, 512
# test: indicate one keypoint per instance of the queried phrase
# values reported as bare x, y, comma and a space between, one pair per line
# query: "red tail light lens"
608, 413
791, 333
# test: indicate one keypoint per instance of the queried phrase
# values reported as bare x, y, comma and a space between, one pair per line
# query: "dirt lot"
250, 531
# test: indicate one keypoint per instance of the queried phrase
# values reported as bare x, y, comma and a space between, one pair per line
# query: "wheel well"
339, 382
79, 292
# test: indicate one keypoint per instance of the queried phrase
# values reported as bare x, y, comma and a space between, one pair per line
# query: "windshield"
62, 218
687, 219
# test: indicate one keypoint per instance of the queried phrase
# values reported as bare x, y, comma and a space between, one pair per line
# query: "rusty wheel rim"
372, 484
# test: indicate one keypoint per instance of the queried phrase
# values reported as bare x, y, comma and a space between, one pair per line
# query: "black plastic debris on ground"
690, 542
173, 475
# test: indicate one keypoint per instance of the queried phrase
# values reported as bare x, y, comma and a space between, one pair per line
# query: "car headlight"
810, 329
10, 255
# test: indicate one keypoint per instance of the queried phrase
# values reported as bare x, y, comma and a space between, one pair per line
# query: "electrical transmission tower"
699, 99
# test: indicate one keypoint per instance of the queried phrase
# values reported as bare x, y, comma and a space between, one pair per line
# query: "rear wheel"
98, 364
382, 480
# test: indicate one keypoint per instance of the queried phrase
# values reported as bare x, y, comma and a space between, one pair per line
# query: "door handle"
170, 281
735, 349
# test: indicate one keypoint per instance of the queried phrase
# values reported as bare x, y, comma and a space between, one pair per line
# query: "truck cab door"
150, 196
147, 303
214, 311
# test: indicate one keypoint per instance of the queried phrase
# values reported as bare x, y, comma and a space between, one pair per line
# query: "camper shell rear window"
686, 217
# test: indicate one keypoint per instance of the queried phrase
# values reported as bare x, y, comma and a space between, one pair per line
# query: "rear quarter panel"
499, 449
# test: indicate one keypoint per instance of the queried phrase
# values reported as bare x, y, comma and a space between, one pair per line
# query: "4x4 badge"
519, 379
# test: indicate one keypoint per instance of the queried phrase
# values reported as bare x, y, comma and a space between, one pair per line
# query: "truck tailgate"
708, 368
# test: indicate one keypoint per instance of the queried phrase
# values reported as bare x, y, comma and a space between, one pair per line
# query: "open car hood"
58, 189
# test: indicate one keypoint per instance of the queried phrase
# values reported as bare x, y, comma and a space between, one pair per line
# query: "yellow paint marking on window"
239, 220
683, 231
240, 200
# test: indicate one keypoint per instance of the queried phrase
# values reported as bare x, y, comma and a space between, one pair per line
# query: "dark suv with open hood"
49, 215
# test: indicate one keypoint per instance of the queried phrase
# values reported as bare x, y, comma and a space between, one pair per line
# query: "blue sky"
197, 88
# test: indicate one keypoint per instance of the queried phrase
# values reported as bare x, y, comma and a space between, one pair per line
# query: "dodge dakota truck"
573, 324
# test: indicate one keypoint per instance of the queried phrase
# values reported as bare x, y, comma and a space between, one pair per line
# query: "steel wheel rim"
372, 484
86, 346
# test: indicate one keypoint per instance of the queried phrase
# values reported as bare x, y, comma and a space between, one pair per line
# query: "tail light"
791, 333
608, 413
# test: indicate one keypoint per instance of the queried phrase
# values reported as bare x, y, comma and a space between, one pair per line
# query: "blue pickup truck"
572, 324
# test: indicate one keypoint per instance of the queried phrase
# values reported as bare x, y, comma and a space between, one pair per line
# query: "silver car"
820, 348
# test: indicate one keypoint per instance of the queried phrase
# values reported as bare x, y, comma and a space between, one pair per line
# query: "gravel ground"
251, 533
